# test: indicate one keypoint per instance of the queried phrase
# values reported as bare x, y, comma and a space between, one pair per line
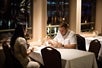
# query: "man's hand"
59, 45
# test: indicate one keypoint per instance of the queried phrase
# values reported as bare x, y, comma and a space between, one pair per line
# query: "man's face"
63, 30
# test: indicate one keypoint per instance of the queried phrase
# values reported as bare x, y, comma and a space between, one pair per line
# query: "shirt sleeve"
70, 39
73, 39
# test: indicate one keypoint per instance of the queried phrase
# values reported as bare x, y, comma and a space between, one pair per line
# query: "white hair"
20, 41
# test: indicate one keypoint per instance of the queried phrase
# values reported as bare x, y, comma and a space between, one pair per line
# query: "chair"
81, 45
10, 60
95, 47
51, 58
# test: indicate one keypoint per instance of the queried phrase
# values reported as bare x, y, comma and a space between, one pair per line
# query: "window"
57, 12
14, 11
88, 15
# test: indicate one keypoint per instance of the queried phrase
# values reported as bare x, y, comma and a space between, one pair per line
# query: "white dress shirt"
68, 38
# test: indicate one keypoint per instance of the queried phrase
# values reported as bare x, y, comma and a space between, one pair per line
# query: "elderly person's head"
20, 41
63, 28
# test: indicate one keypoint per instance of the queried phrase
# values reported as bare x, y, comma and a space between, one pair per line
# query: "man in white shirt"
64, 38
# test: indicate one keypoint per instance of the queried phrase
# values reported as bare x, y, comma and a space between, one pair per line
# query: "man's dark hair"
64, 24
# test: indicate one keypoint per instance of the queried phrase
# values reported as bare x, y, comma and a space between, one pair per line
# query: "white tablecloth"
73, 58
89, 39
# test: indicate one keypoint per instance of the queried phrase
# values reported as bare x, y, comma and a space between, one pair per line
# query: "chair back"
95, 47
81, 45
10, 60
6, 49
51, 58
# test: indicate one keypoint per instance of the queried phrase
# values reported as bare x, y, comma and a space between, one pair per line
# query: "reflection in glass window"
14, 11
58, 11
88, 15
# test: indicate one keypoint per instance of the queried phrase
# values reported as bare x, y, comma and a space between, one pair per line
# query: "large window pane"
57, 12
14, 11
88, 15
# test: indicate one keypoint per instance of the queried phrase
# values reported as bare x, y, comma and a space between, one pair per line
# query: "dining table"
89, 39
71, 58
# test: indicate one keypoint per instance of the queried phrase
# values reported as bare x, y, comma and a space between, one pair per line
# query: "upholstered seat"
95, 47
81, 45
10, 60
51, 58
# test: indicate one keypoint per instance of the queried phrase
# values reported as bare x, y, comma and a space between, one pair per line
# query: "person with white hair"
21, 53
20, 47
